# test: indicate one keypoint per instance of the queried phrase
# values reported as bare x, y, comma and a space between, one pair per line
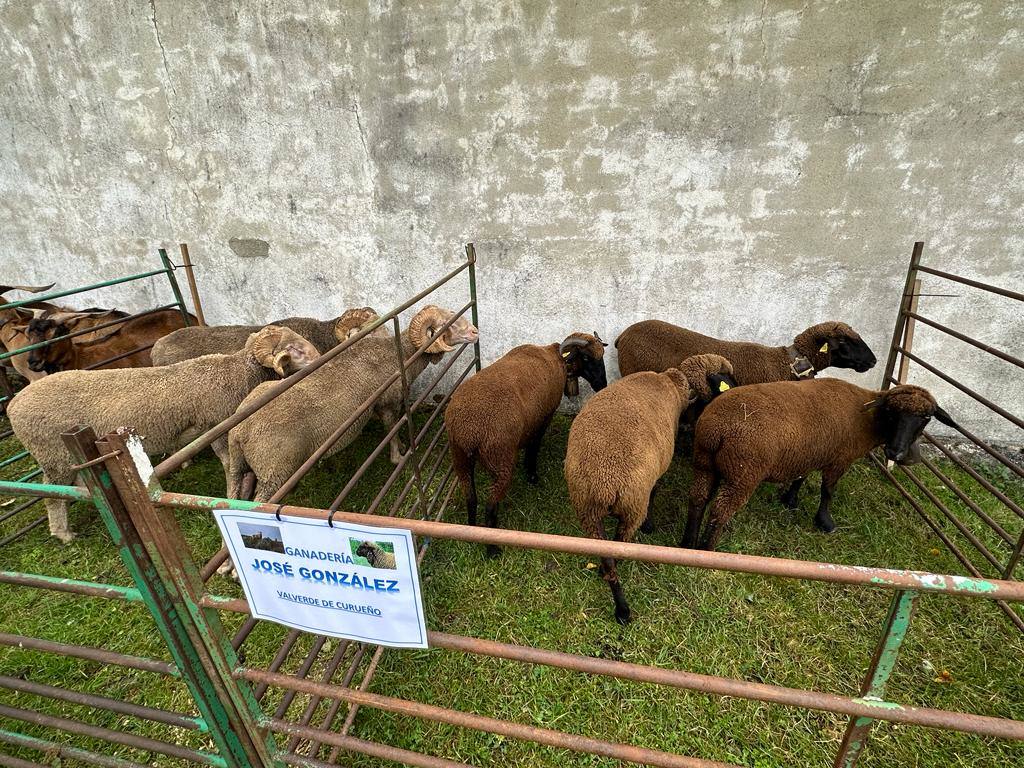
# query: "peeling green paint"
131, 594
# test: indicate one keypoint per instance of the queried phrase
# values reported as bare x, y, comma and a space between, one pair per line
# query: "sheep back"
160, 403
509, 400
782, 430
654, 345
622, 441
195, 341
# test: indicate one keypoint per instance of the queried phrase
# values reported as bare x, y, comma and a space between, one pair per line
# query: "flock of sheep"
757, 413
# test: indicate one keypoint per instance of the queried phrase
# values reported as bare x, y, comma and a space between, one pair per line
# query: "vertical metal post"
6, 390
421, 492
897, 622
179, 299
159, 561
901, 317
1011, 565
192, 287
908, 334
471, 257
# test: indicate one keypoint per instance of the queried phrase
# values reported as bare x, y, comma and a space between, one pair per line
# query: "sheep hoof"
492, 551
789, 502
533, 478
66, 537
825, 526
647, 526
623, 616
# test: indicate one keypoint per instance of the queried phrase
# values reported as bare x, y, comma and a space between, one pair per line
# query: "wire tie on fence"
330, 520
277, 512
97, 460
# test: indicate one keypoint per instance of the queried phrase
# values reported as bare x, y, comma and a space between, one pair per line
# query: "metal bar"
963, 337
20, 508
174, 461
974, 283
13, 459
332, 710
303, 670
99, 655
957, 553
437, 379
84, 331
22, 531
87, 588
471, 258
178, 298
44, 490
885, 578
186, 260
157, 557
29, 476
894, 631
71, 291
960, 494
176, 719
1014, 558
979, 479
908, 332
444, 401
314, 701
351, 744
965, 389
901, 319
55, 749
505, 728
407, 414
115, 737
353, 708
9, 761
279, 660
968, 534
243, 632
115, 358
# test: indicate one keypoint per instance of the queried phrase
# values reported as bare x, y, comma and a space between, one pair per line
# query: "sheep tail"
237, 470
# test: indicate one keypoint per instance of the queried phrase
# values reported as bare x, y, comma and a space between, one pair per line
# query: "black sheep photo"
263, 537
376, 554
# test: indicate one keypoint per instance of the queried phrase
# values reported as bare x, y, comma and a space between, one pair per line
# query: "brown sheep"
654, 345
508, 406
780, 432
66, 355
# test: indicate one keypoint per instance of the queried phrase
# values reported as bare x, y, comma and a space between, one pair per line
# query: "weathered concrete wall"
745, 168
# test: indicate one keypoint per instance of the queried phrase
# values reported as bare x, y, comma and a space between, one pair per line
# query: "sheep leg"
532, 451
502, 480
647, 526
705, 481
728, 501
464, 466
823, 519
790, 498
609, 572
57, 511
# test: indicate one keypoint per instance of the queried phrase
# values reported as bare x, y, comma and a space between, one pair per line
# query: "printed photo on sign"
376, 554
265, 537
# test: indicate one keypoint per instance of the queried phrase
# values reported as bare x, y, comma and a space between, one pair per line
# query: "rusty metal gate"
253, 714
12, 521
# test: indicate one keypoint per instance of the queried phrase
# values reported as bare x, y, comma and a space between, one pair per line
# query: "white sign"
349, 581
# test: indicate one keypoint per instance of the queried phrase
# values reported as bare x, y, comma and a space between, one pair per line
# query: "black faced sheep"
508, 406
168, 406
654, 345
376, 556
622, 442
781, 431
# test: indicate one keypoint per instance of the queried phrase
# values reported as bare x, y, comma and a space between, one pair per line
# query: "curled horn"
425, 323
945, 418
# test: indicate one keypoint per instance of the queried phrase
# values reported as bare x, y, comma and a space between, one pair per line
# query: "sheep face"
425, 323
52, 358
281, 349
709, 376
365, 550
903, 413
583, 354
837, 344
719, 383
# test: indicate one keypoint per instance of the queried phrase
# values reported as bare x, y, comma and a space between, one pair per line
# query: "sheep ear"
945, 418
599, 339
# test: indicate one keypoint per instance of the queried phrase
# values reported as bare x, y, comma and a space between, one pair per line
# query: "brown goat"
508, 406
654, 345
780, 432
66, 355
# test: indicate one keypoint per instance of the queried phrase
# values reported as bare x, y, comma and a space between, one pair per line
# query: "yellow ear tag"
722, 386
566, 354
824, 347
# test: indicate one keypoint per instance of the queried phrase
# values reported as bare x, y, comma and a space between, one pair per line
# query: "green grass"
777, 631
